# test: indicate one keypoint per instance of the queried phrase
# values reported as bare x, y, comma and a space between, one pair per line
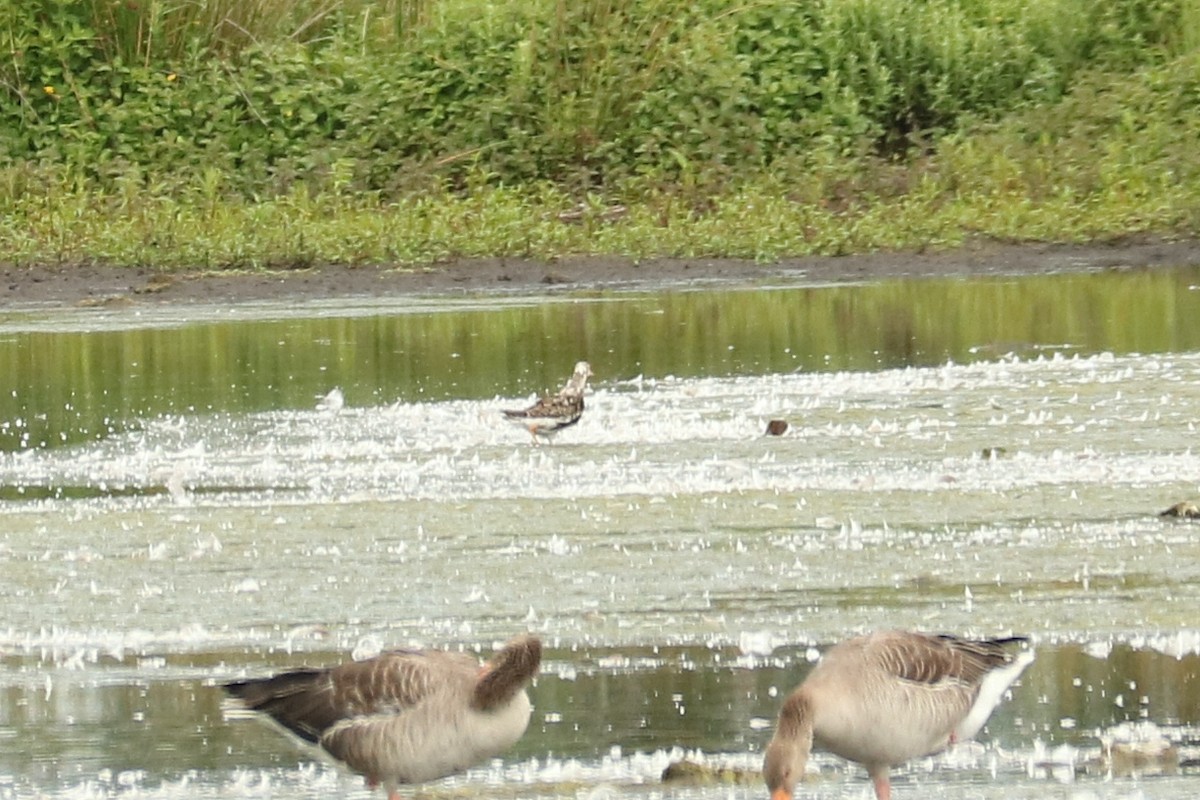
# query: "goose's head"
786, 756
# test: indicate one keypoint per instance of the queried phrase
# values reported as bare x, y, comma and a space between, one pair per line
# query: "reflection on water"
193, 515
592, 707
85, 384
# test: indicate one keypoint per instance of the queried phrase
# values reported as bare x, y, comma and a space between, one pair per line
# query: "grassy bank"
286, 132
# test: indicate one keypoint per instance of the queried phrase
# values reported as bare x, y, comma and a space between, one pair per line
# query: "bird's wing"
378, 698
554, 407
394, 681
297, 700
309, 702
933, 659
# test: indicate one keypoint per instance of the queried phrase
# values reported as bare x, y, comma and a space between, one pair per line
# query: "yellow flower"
171, 76
48, 89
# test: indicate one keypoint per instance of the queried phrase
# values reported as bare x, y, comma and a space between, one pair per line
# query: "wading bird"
406, 716
552, 413
887, 697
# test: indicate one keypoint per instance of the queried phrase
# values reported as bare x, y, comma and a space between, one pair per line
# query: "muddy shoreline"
90, 286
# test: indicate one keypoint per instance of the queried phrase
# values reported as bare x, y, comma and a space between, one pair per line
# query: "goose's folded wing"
923, 658
393, 682
309, 702
375, 733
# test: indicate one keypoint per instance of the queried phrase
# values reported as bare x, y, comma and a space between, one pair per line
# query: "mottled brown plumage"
936, 658
552, 413
888, 697
404, 716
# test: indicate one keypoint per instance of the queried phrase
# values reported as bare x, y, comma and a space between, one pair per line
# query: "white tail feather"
991, 692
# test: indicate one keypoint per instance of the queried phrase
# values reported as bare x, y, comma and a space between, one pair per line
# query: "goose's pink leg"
883, 786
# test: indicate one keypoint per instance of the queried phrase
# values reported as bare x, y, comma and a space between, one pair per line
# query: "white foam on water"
1067, 421
987, 772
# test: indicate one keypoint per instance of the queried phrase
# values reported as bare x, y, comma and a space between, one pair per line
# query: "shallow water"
179, 519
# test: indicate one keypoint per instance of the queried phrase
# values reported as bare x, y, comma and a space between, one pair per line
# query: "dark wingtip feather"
257, 691
1010, 640
288, 698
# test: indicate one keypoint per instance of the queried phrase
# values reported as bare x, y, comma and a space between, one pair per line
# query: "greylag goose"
887, 697
552, 413
405, 716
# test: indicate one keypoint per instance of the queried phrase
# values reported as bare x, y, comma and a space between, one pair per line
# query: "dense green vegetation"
282, 132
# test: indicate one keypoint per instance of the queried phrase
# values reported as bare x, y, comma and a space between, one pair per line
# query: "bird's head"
783, 766
583, 371
786, 756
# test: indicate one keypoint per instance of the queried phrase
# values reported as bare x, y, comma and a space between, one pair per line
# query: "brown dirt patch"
84, 285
